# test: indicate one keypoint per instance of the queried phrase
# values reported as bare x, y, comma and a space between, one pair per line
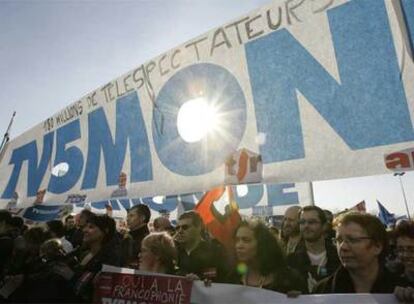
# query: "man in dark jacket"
196, 256
361, 243
137, 221
315, 257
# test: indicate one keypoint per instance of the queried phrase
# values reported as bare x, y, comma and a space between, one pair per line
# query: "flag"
385, 216
360, 207
221, 225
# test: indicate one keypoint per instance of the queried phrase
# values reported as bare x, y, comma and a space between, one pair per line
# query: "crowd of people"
312, 252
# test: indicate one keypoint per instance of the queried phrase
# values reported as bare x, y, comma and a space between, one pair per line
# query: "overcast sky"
54, 52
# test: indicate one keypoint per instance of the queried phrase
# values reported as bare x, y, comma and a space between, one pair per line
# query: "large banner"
122, 285
295, 91
258, 200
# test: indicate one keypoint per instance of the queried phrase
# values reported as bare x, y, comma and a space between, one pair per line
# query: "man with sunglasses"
197, 257
361, 243
315, 257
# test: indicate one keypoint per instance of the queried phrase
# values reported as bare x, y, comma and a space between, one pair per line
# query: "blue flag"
385, 216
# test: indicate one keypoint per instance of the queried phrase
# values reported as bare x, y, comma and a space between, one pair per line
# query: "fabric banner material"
122, 285
117, 285
295, 91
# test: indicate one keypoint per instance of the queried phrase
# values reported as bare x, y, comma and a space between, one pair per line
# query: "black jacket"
207, 260
283, 281
131, 246
341, 282
300, 261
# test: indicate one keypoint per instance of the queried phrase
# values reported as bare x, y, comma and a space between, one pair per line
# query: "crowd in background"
312, 252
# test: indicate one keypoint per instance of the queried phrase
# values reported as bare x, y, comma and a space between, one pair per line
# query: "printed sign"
128, 286
316, 89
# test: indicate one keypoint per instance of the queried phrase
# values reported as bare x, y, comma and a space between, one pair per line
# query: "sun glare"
196, 118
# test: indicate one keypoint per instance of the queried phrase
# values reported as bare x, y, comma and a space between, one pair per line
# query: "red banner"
114, 288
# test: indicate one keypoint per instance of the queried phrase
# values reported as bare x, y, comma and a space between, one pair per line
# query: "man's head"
312, 223
138, 216
56, 228
290, 226
84, 216
404, 236
69, 222
361, 240
189, 228
162, 224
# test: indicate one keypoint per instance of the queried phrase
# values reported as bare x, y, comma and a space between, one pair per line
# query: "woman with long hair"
261, 261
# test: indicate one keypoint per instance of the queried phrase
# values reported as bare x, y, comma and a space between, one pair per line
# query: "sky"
54, 52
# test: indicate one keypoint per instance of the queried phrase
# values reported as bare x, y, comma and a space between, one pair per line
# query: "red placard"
117, 288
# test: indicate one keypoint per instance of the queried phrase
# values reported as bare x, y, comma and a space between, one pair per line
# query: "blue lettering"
72, 156
367, 109
130, 128
408, 10
36, 171
276, 196
169, 203
252, 198
216, 85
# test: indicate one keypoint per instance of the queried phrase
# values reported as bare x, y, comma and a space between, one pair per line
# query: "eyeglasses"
183, 227
310, 222
350, 240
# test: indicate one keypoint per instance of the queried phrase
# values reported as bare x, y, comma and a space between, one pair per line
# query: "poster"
313, 90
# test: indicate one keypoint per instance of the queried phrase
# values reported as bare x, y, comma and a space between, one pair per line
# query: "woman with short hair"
158, 253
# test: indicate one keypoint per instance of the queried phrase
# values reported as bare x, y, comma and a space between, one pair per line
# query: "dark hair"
56, 227
17, 222
34, 237
69, 217
404, 229
142, 210
269, 253
319, 211
105, 223
5, 216
371, 225
194, 216
86, 213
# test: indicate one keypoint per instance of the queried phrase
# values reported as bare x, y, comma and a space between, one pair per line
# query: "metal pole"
312, 202
6, 135
403, 192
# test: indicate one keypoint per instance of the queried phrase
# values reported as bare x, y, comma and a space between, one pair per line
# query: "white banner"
295, 91
228, 293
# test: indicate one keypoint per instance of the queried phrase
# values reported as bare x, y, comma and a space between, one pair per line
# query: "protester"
261, 262
77, 236
49, 280
6, 240
198, 257
97, 235
361, 245
163, 224
404, 236
57, 230
158, 253
329, 231
315, 257
290, 229
70, 228
137, 221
